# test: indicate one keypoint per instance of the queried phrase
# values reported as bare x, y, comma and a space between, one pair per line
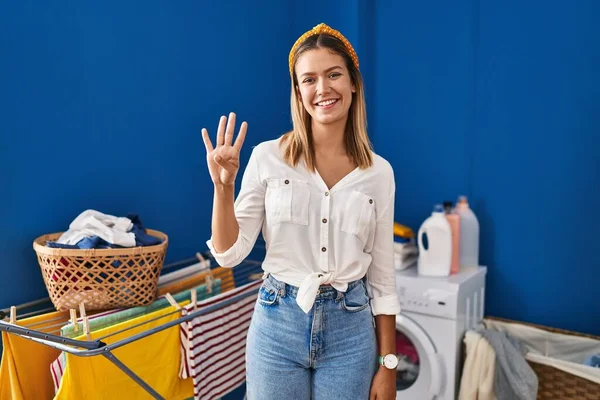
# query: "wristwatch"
390, 361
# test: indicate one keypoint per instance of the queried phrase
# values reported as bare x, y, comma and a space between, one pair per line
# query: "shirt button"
326, 193
323, 249
324, 220
370, 201
287, 182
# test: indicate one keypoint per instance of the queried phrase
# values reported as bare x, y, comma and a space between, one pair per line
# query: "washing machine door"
419, 374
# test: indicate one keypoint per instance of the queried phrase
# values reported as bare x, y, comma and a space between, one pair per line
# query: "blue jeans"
328, 354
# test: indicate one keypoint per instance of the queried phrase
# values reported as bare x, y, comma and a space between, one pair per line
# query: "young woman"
324, 323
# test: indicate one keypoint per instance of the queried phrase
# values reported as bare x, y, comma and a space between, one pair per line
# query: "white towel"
405, 255
406, 249
477, 382
402, 263
114, 230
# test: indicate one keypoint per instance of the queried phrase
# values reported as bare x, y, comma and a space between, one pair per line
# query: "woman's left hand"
383, 386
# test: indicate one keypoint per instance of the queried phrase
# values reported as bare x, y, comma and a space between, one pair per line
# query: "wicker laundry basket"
553, 383
101, 278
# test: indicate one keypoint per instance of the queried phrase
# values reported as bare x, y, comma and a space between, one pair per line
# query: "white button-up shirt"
315, 235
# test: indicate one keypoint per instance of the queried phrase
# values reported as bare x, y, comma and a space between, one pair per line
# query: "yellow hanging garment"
25, 366
156, 359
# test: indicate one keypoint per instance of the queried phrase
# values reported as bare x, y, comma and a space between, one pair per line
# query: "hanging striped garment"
56, 370
214, 344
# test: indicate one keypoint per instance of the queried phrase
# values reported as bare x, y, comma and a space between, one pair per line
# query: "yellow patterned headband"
322, 28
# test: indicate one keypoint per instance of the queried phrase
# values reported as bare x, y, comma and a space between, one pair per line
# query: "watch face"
390, 361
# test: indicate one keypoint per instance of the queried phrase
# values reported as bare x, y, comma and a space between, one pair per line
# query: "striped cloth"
214, 344
56, 370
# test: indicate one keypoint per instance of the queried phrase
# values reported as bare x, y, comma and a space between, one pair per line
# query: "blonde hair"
297, 144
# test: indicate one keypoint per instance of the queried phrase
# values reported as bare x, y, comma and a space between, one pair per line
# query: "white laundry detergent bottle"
437, 258
469, 234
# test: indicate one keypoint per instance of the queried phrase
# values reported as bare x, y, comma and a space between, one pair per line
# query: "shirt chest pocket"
286, 201
359, 216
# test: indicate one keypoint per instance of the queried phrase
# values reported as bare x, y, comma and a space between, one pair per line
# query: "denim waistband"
325, 292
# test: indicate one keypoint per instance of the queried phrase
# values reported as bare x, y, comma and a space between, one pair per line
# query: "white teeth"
326, 103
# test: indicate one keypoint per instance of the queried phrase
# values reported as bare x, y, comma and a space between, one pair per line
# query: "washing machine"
436, 313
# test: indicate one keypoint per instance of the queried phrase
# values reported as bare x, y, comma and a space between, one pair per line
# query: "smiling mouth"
327, 103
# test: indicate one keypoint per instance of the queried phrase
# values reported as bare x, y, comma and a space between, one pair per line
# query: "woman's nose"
322, 87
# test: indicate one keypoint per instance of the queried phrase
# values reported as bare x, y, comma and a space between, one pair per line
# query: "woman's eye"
334, 75
308, 80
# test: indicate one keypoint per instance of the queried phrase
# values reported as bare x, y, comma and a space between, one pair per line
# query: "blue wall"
500, 102
102, 104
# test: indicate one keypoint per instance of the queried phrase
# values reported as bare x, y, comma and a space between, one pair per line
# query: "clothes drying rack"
83, 348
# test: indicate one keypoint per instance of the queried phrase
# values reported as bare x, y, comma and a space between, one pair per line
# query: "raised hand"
224, 159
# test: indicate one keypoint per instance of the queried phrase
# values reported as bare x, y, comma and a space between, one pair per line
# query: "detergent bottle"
436, 259
469, 234
454, 221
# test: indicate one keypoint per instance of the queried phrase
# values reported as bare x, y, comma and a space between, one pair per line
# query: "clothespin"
13, 315
73, 313
209, 283
172, 301
203, 261
194, 297
255, 277
86, 324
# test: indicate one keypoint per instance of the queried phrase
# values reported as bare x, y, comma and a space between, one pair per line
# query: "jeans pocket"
286, 201
356, 299
267, 295
359, 216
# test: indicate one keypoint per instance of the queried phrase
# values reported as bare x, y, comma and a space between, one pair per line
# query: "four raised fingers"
225, 134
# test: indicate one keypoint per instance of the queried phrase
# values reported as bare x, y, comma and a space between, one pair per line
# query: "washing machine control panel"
436, 302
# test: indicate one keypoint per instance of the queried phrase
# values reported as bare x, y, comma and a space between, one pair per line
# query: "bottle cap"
448, 206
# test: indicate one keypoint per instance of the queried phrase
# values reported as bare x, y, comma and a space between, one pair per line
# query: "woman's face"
324, 85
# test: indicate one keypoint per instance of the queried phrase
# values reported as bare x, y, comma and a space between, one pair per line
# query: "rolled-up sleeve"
381, 275
249, 213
